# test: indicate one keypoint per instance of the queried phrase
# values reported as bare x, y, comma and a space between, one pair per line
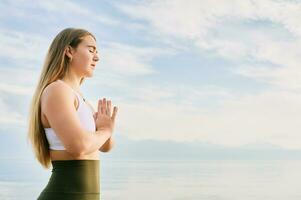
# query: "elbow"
78, 150
105, 150
77, 154
107, 146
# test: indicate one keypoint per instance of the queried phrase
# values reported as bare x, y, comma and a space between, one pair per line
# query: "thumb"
95, 115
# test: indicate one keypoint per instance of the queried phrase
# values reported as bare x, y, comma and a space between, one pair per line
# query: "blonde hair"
55, 67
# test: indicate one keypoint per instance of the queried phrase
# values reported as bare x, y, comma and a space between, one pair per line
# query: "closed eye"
92, 49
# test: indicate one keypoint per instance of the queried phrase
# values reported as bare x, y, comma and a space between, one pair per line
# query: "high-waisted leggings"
73, 180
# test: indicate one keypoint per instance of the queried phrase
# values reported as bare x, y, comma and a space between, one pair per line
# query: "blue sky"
221, 72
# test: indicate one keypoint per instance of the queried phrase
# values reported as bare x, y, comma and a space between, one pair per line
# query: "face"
85, 57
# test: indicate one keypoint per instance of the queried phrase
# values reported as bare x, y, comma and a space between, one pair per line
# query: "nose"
96, 58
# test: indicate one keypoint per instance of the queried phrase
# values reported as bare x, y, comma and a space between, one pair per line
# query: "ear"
69, 52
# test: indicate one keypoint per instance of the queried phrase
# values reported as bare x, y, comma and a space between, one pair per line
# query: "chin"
89, 74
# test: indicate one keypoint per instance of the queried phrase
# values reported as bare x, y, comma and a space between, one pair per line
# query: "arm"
108, 145
104, 120
57, 103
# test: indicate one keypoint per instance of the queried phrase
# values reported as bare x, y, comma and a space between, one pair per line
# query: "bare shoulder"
57, 105
55, 93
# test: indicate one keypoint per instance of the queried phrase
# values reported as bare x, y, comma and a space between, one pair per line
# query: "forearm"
95, 140
108, 145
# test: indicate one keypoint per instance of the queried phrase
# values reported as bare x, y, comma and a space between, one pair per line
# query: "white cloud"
52, 8
129, 60
18, 80
122, 59
199, 22
10, 117
15, 89
160, 111
193, 19
232, 30
286, 58
21, 46
272, 117
55, 6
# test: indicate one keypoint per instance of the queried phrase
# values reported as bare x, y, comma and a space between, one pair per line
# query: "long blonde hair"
55, 67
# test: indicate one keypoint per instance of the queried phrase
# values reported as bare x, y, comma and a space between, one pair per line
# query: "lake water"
168, 180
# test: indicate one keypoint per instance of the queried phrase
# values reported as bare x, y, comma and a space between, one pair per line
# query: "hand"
103, 118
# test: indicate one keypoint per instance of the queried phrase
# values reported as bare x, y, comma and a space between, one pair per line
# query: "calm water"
168, 180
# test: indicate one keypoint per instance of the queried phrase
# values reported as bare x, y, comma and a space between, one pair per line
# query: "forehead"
88, 40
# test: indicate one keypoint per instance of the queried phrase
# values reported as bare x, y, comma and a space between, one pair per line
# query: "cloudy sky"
222, 72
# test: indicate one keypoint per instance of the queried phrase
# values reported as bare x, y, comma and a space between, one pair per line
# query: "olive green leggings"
73, 180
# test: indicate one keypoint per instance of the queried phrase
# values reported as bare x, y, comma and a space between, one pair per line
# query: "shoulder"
57, 92
56, 88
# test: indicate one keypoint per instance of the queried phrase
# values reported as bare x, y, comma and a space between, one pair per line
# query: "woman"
63, 128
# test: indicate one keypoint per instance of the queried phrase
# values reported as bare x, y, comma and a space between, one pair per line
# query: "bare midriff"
65, 155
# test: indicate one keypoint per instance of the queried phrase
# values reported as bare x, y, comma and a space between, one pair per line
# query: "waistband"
68, 163
74, 176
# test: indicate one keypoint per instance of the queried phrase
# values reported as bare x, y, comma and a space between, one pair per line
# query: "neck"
72, 81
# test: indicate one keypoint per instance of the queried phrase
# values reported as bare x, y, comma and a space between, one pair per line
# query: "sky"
223, 72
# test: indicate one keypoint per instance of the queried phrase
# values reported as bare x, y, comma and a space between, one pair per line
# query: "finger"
103, 106
109, 107
99, 107
105, 103
114, 113
95, 115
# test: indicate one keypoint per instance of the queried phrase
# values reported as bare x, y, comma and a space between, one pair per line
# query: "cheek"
83, 59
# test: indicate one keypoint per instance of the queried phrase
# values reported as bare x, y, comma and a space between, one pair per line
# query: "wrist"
104, 131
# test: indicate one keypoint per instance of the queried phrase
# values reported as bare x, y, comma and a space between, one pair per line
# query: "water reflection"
169, 180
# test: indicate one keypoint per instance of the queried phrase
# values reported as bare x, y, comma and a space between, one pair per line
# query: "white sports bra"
85, 114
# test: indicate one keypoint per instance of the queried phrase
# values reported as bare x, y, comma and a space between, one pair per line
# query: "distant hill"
156, 150
13, 144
